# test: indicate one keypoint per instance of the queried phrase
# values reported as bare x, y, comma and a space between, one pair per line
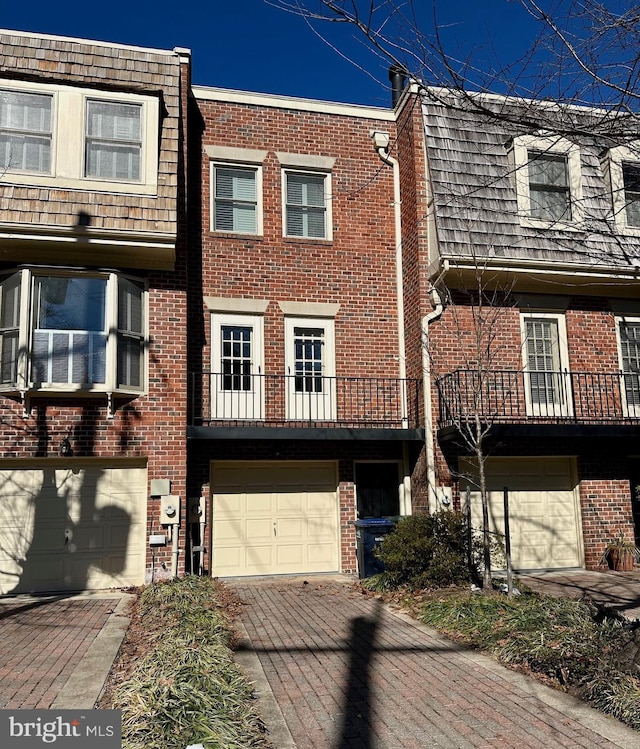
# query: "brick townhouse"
92, 310
301, 415
530, 234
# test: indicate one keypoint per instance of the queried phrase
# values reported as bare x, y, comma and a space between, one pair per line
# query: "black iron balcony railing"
239, 399
507, 396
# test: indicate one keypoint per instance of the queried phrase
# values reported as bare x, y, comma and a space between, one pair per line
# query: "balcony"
306, 406
539, 398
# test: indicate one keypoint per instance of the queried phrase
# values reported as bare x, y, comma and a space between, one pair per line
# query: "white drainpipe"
436, 302
381, 144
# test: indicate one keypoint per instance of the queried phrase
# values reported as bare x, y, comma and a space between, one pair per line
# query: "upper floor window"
631, 182
25, 132
306, 205
71, 332
546, 365
113, 140
549, 194
235, 199
80, 139
629, 343
548, 181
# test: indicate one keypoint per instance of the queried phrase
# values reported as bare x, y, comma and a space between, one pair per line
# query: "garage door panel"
543, 509
104, 533
290, 528
291, 502
296, 499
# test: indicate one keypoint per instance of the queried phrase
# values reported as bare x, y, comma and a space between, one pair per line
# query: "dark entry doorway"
377, 489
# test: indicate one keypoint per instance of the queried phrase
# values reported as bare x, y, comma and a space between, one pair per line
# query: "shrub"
426, 551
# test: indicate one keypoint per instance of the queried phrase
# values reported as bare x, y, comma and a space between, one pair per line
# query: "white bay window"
71, 332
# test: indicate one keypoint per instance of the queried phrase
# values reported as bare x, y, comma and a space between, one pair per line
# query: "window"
236, 359
631, 182
77, 138
235, 198
547, 379
629, 342
25, 132
548, 181
59, 331
113, 140
311, 385
549, 196
306, 205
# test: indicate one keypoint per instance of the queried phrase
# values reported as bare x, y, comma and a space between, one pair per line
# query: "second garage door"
544, 515
74, 524
274, 518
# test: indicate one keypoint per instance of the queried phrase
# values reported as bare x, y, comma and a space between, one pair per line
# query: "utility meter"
169, 510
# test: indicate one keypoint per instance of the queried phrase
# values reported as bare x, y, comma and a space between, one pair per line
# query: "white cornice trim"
276, 101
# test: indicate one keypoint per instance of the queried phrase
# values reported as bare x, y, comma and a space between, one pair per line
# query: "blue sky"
251, 45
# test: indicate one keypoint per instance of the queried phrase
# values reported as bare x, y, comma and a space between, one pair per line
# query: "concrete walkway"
337, 670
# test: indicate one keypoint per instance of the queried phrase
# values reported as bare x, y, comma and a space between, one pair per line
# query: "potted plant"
621, 554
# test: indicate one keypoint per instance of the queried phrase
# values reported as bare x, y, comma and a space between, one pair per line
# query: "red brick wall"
356, 269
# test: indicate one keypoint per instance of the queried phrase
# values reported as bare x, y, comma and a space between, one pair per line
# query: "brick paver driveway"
42, 640
347, 672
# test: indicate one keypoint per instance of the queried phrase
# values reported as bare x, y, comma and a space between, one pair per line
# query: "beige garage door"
274, 518
544, 514
71, 525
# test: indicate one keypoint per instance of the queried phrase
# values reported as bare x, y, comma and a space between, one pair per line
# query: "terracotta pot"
621, 560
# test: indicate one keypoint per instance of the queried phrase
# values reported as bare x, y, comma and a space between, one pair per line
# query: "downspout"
436, 303
381, 144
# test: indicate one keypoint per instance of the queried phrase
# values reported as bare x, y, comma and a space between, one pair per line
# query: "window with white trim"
310, 361
25, 131
549, 193
113, 140
629, 347
72, 332
78, 138
306, 202
235, 198
631, 183
237, 380
548, 181
546, 365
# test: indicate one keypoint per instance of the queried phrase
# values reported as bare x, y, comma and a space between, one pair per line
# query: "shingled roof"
473, 181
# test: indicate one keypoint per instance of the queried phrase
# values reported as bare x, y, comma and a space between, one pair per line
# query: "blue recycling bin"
369, 534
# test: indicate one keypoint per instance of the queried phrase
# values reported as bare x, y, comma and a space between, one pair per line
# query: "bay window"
71, 332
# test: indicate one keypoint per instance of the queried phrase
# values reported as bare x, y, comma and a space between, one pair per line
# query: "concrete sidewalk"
337, 670
56, 650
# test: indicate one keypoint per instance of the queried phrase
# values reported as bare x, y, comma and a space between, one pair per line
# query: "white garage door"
544, 514
71, 525
274, 518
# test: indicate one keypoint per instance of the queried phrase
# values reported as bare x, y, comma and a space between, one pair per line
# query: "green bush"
426, 551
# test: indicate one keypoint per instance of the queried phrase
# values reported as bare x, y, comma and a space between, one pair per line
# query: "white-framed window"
310, 369
628, 330
305, 205
25, 131
623, 165
113, 140
236, 191
77, 138
72, 331
548, 181
546, 365
237, 377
